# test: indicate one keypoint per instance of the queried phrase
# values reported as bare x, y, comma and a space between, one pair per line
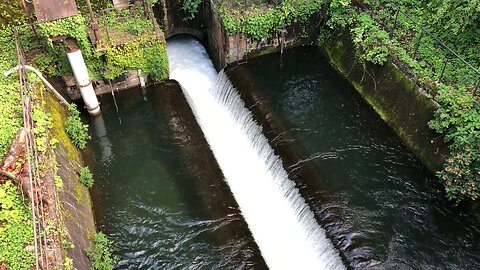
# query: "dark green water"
395, 205
146, 196
147, 199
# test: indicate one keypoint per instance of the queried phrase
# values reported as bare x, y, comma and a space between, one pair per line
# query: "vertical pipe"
83, 80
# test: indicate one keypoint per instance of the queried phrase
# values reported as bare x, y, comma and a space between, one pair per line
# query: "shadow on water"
160, 194
378, 190
328, 212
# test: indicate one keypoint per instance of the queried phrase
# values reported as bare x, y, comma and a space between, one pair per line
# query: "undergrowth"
86, 177
76, 129
260, 22
100, 253
15, 229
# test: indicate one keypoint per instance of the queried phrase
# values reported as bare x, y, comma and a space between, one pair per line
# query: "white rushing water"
281, 223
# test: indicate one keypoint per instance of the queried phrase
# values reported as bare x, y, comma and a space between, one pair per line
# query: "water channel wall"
76, 215
396, 99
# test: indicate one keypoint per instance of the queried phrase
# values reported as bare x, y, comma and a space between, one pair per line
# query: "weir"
279, 219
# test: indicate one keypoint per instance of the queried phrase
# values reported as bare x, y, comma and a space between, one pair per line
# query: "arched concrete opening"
197, 33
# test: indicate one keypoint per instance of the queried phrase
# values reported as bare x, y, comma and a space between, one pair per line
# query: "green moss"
77, 186
59, 114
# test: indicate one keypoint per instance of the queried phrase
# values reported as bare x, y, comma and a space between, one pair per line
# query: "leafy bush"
15, 229
370, 41
190, 7
148, 55
76, 130
257, 23
458, 119
86, 177
100, 253
340, 14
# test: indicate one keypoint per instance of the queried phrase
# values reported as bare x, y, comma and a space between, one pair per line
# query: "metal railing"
42, 239
35, 189
451, 59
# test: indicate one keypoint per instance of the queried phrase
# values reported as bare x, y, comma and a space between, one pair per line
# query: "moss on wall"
397, 99
75, 203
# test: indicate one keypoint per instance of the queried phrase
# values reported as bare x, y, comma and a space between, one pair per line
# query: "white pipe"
83, 80
141, 78
49, 86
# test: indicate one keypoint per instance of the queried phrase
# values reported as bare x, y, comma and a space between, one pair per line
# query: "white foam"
281, 222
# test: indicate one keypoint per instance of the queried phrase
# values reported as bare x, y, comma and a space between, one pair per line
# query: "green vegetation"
147, 54
458, 119
86, 177
370, 41
126, 45
54, 60
11, 12
15, 229
43, 123
138, 50
259, 21
58, 182
100, 253
190, 7
451, 84
76, 129
10, 109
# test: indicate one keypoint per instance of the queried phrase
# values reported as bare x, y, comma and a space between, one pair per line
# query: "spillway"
278, 217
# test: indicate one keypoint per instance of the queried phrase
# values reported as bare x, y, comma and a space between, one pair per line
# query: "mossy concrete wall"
224, 48
397, 99
76, 213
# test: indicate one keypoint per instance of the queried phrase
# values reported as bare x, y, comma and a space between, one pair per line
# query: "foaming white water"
278, 217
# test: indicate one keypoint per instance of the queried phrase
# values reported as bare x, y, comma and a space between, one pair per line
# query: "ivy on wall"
258, 23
